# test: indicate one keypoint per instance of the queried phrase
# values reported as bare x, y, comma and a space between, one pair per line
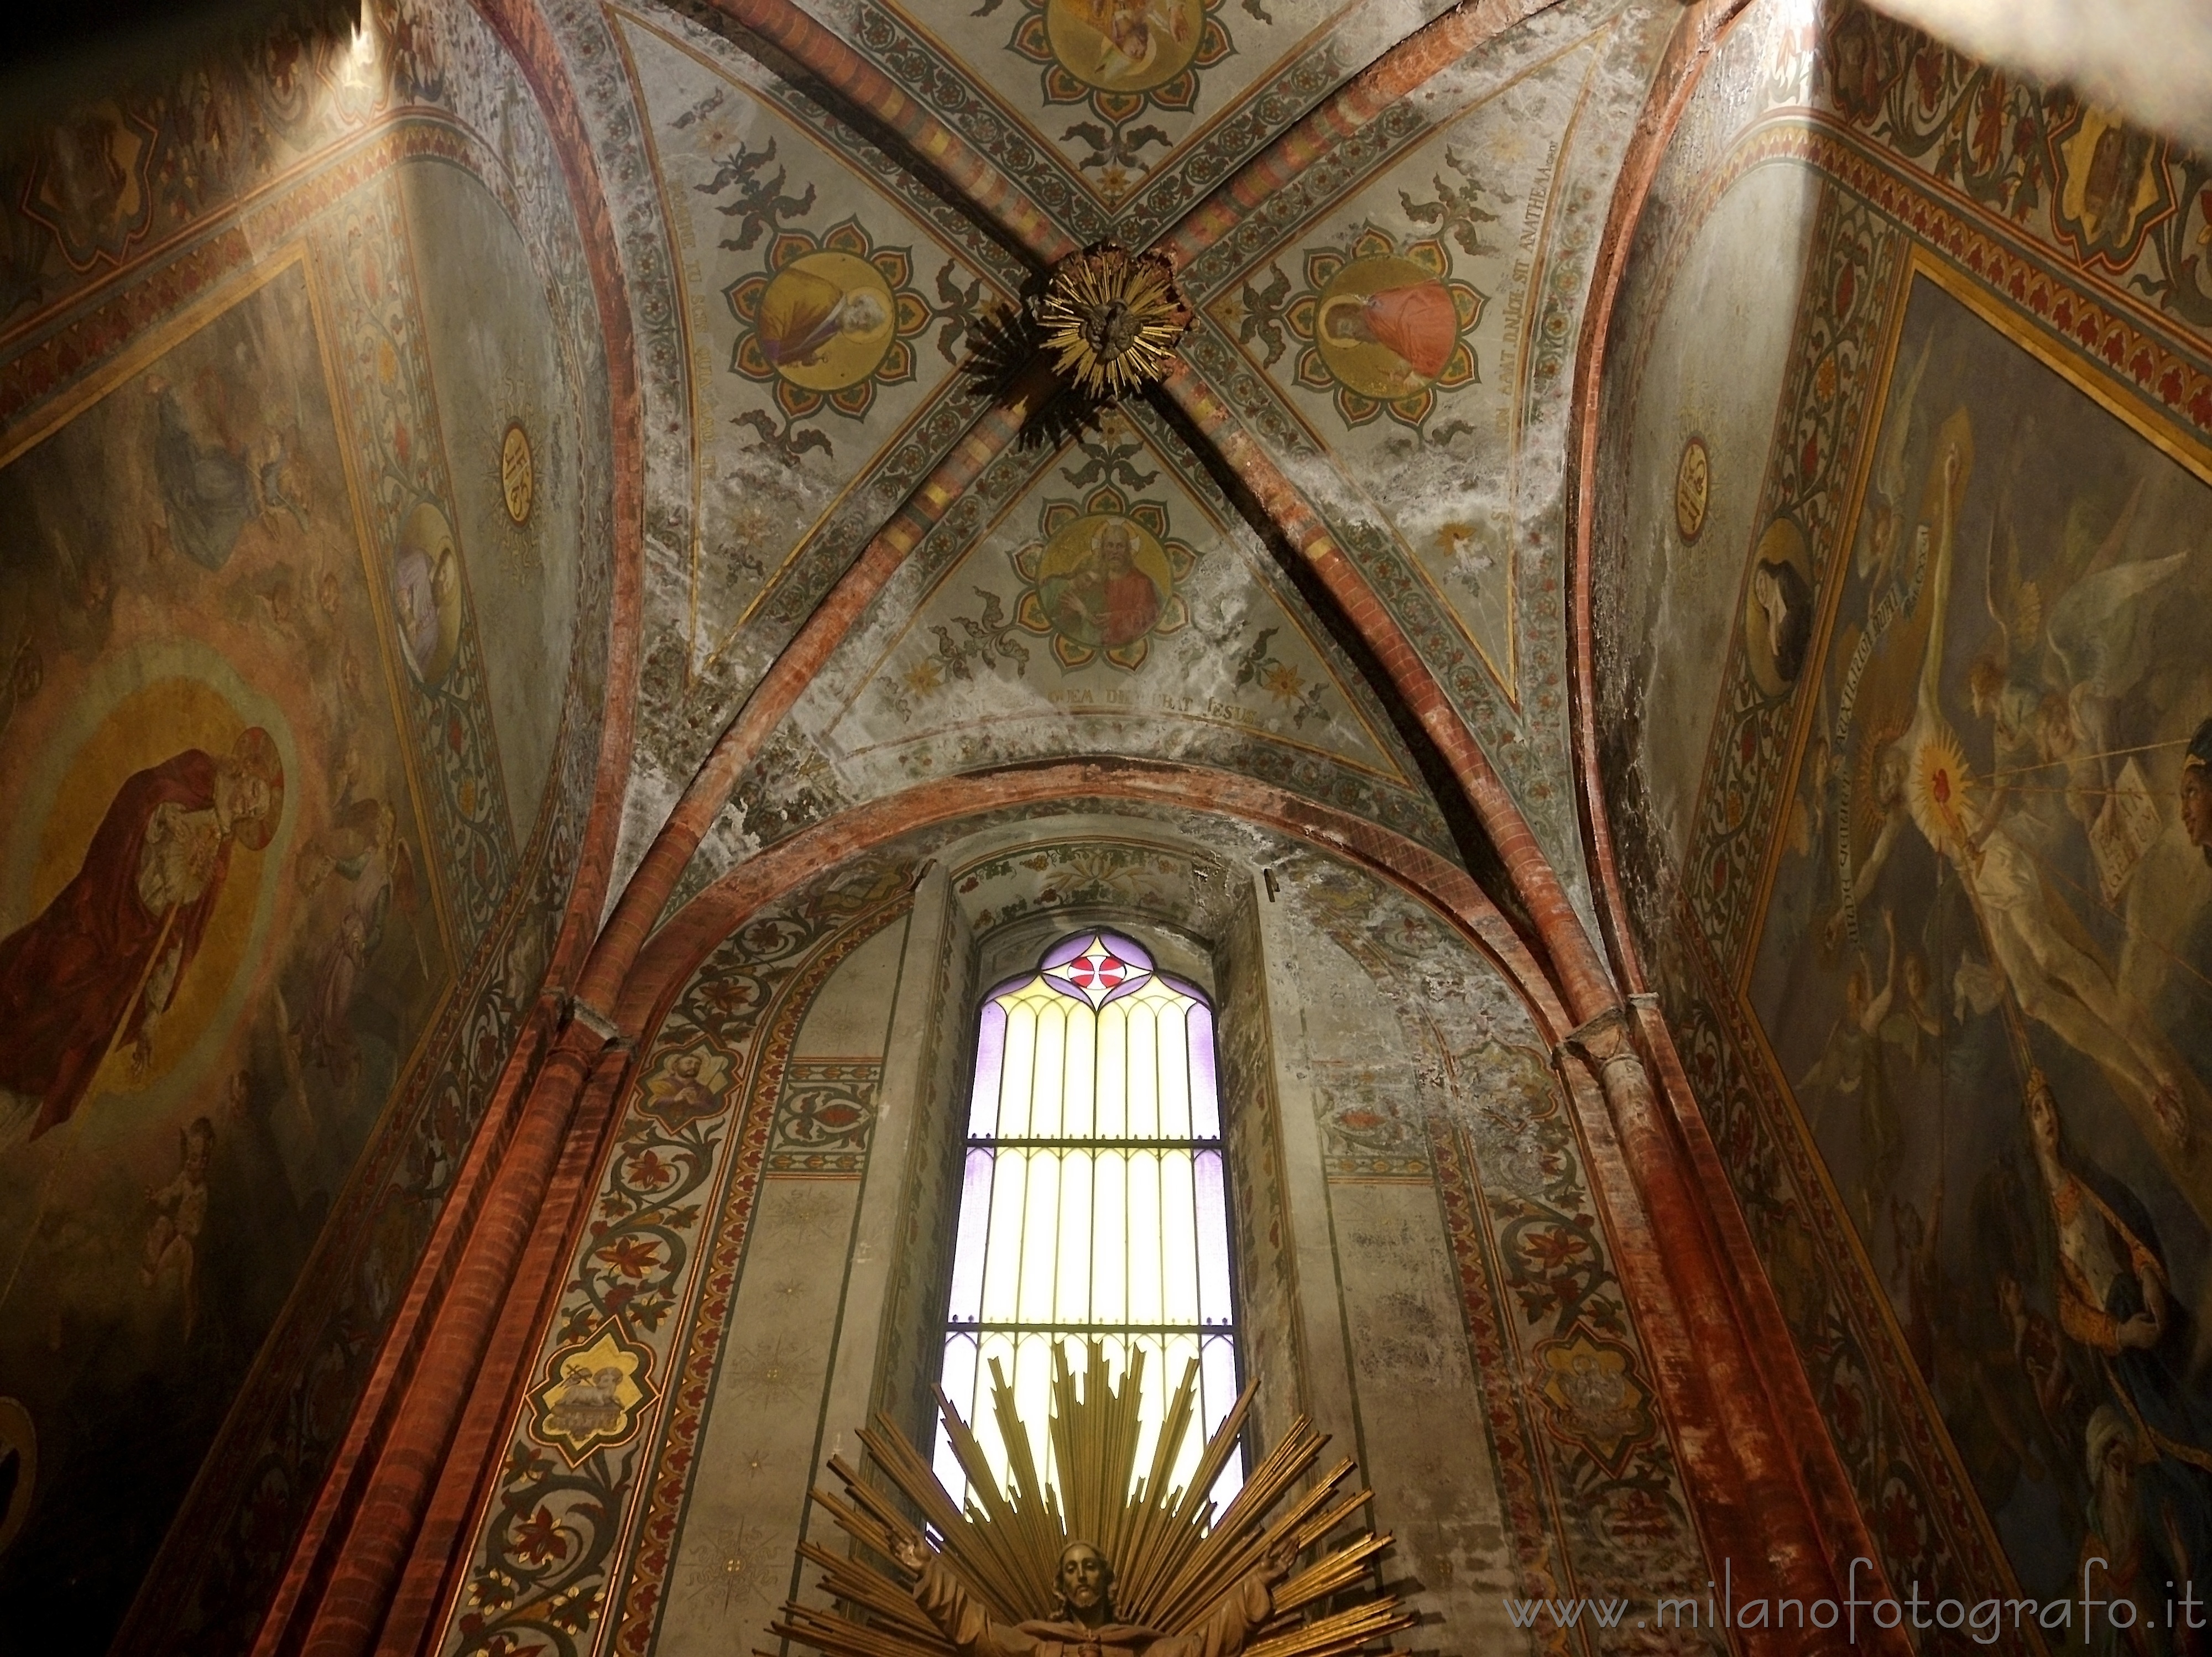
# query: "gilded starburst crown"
1113, 318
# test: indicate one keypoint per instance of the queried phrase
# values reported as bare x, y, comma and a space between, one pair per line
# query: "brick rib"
357, 1464
1583, 979
709, 917
440, 1550
1764, 1361
441, 1422
522, 26
859, 84
307, 1572
1363, 99
1749, 1506
664, 861
385, 1524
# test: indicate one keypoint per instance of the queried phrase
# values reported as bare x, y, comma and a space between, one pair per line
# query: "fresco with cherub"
220, 937
1984, 962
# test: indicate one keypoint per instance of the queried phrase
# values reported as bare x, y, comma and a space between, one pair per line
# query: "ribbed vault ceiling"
1325, 554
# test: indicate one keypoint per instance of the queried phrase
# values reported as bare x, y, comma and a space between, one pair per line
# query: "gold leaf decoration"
1113, 318
1175, 1562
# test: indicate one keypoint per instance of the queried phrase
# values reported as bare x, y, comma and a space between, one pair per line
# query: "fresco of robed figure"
1096, 593
1984, 967
1124, 46
219, 946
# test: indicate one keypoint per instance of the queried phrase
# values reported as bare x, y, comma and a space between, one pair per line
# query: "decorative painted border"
262, 1474
551, 1542
793, 785
711, 669
634, 1612
1586, 1515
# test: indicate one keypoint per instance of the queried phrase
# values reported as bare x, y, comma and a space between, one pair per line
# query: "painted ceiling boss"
1113, 318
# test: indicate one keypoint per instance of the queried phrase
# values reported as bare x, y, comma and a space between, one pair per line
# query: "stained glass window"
1093, 1204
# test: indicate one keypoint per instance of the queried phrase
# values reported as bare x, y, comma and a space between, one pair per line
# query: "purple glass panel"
959, 1384
1212, 1238
1205, 1080
1066, 949
1216, 1373
1098, 967
990, 1066
966, 1304
1134, 953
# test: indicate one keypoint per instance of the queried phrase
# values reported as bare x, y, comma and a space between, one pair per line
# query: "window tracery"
1094, 1200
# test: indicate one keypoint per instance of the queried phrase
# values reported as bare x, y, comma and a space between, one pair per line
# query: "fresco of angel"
2055, 972
1984, 962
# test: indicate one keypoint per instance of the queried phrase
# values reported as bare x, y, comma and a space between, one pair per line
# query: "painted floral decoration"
1122, 58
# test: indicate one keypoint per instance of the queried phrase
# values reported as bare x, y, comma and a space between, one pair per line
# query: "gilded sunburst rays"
1175, 1559
1112, 319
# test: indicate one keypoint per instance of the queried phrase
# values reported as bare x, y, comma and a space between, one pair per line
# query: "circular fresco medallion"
1693, 483
826, 320
1103, 581
1124, 46
1386, 326
426, 592
517, 473
1777, 607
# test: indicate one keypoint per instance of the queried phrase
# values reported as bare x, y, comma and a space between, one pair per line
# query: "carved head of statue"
1086, 1585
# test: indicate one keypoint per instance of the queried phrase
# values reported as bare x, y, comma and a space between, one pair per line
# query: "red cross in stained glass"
1098, 972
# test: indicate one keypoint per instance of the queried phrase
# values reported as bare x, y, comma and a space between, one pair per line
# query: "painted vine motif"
1581, 1455
639, 1327
2117, 201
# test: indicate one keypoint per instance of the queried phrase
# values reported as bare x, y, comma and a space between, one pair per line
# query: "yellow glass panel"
1173, 1356
1020, 1064
1178, 1238
959, 1384
1109, 1231
1072, 1303
1145, 1237
1171, 1063
1002, 1251
1112, 1106
1051, 1069
978, 1415
1041, 1238
1144, 1068
1079, 1087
